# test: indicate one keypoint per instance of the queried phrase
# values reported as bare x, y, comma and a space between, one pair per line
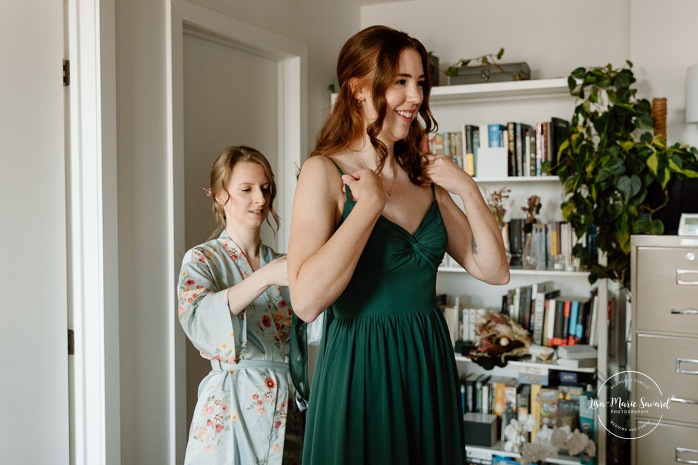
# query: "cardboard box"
480, 429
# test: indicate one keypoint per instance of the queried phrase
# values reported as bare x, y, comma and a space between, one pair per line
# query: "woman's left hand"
445, 173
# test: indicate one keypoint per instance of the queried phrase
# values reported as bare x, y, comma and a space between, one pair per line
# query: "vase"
529, 256
516, 236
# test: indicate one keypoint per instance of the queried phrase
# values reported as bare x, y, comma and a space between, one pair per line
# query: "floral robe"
246, 412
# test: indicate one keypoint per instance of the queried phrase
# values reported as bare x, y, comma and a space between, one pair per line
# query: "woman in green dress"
372, 218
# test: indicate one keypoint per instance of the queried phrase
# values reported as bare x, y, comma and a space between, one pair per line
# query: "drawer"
668, 444
666, 294
672, 362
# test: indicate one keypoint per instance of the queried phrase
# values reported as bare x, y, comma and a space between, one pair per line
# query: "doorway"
230, 84
229, 99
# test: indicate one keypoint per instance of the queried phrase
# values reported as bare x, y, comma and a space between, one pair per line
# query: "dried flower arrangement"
531, 209
495, 202
498, 337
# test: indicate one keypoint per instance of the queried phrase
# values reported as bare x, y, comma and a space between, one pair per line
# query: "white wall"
322, 25
663, 44
142, 186
555, 37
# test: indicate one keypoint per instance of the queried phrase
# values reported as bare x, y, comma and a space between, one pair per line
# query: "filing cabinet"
664, 341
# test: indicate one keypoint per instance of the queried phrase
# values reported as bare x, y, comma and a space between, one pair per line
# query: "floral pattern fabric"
246, 412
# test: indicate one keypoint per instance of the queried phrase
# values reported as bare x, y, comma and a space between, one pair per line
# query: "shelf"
523, 272
534, 364
533, 88
517, 179
498, 449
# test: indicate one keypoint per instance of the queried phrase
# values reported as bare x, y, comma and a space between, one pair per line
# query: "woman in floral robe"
233, 305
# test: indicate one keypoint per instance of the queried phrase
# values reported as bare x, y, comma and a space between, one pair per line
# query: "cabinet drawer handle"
681, 282
680, 450
683, 401
680, 370
684, 311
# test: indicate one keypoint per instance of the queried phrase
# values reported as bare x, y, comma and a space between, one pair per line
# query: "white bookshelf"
528, 102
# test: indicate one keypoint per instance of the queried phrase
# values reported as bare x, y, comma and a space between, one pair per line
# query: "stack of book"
552, 319
523, 148
577, 356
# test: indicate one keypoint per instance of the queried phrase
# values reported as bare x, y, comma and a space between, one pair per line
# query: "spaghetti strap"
335, 164
433, 190
347, 192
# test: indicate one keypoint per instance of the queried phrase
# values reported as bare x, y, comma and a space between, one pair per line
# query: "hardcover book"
559, 131
539, 314
548, 407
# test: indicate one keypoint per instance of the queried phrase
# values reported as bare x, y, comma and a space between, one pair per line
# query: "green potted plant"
609, 163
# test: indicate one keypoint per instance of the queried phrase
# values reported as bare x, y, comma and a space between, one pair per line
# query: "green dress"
385, 387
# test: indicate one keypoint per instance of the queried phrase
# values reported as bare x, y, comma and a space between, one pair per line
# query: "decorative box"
491, 73
480, 429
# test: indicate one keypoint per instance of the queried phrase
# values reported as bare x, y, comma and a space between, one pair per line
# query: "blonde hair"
221, 172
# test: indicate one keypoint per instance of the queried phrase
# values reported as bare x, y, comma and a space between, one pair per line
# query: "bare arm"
474, 239
246, 291
322, 257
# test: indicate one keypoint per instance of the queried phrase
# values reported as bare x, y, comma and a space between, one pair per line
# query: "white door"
34, 412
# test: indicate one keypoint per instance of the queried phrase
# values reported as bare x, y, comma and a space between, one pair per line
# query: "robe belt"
246, 364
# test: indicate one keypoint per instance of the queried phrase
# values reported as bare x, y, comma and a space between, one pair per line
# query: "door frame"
291, 58
91, 191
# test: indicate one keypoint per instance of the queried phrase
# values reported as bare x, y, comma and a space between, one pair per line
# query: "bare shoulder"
319, 167
443, 197
320, 185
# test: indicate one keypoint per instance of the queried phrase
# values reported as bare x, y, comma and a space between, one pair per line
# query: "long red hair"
372, 57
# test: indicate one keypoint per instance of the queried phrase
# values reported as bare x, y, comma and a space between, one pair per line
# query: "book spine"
572, 332
470, 394
565, 321
484, 135
511, 149
538, 318
535, 408
559, 321
494, 135
518, 134
538, 165
549, 324
542, 302
560, 131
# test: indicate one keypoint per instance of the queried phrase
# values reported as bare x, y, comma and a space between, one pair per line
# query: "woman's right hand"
366, 187
276, 272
